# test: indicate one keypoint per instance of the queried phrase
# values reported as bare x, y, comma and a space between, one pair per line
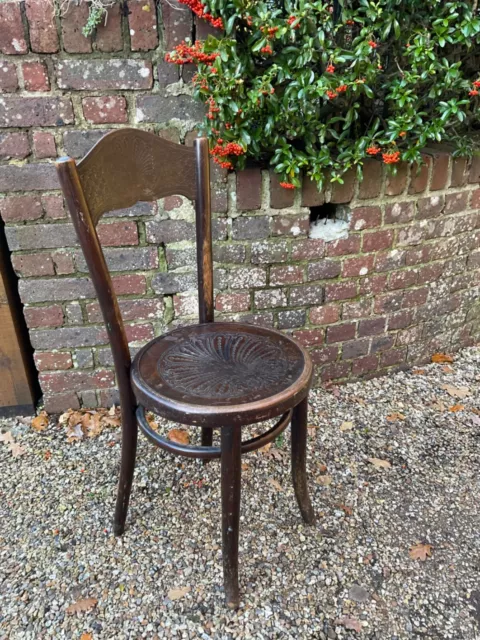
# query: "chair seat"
221, 373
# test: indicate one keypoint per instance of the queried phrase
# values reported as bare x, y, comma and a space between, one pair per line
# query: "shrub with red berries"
305, 88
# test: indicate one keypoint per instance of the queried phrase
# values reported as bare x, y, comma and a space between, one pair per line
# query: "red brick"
393, 356
8, 77
327, 314
139, 332
19, 208
309, 337
340, 291
12, 35
142, 20
61, 402
430, 272
377, 240
324, 269
185, 304
388, 302
41, 26
373, 284
456, 202
430, 207
371, 327
459, 172
441, 165
324, 355
400, 320
35, 112
343, 247
371, 184
342, 193
400, 212
105, 109
364, 365
53, 206
203, 29
415, 297
177, 25
249, 189
355, 349
14, 145
389, 260
474, 173
365, 218
33, 264
144, 309
44, 145
53, 361
298, 225
43, 316
311, 196
118, 234
308, 249
76, 380
360, 266
419, 176
291, 274
335, 371
73, 22
475, 201
341, 332
35, 76
402, 279
28, 177
108, 37
354, 310
382, 343
397, 183
129, 285
280, 198
232, 302
63, 263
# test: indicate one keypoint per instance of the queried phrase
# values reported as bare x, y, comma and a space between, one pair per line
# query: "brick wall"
402, 285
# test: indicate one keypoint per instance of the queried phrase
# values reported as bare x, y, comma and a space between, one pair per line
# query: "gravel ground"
163, 579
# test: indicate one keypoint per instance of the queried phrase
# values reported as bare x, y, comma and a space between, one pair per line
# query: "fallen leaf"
6, 437
179, 435
456, 392
349, 622
420, 551
348, 510
275, 484
75, 433
16, 449
447, 369
456, 407
47, 455
65, 417
380, 464
440, 358
346, 426
394, 417
176, 594
324, 480
85, 604
40, 423
322, 468
245, 466
266, 448
86, 636
418, 372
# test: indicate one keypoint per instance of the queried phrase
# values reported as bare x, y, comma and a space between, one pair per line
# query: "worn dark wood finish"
211, 375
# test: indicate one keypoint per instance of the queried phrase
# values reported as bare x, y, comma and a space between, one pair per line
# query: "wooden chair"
211, 375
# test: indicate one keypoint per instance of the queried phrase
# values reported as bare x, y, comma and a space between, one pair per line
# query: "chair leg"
299, 459
129, 449
231, 443
207, 437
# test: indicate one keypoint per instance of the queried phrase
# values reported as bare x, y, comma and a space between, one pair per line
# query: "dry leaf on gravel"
456, 392
447, 369
418, 372
346, 426
456, 407
176, 594
86, 636
324, 480
441, 358
275, 484
349, 622
6, 437
40, 422
88, 423
179, 435
85, 604
16, 449
394, 417
420, 551
380, 464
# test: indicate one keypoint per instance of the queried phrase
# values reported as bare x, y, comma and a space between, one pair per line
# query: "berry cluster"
391, 157
267, 50
269, 32
220, 152
186, 54
290, 21
287, 185
474, 91
330, 68
199, 10
212, 108
373, 150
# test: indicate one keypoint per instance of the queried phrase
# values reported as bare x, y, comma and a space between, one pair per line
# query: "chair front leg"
207, 437
231, 448
299, 460
129, 450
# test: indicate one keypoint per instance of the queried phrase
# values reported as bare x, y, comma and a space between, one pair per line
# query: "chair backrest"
127, 166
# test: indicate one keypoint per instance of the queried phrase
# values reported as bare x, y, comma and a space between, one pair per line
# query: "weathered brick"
411, 235
459, 172
400, 320
371, 327
342, 193
310, 337
227, 253
177, 258
108, 37
61, 401
33, 264
419, 176
163, 108
430, 207
232, 302
41, 236
308, 249
343, 247
63, 263
105, 109
311, 195
140, 209
12, 35
371, 184
430, 272
365, 218
19, 208
41, 26
296, 225
354, 310
250, 227
390, 260
73, 22
415, 297
291, 274
8, 77
399, 213
36, 317
382, 343
264, 319
280, 198
68, 337
270, 298
78, 143
168, 73
131, 259
291, 319
145, 309
441, 165
177, 23
76, 380
474, 173
324, 269
397, 183
73, 313
55, 289
409, 336
402, 279
53, 361
388, 302
117, 234
373, 284
139, 332
44, 145
340, 291
14, 146
393, 356
104, 74
142, 20
355, 349
173, 282
249, 189
364, 365
306, 294
456, 202
167, 231
35, 112
35, 76
360, 266
83, 359
327, 314
324, 355
335, 371
377, 240
246, 278
53, 206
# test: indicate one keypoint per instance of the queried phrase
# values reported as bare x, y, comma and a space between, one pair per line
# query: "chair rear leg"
207, 437
299, 459
231, 443
129, 450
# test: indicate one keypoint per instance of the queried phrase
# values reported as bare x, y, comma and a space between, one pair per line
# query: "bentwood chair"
211, 375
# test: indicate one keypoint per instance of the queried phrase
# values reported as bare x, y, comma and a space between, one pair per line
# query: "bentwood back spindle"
210, 375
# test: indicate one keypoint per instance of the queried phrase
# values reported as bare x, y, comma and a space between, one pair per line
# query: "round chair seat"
221, 373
